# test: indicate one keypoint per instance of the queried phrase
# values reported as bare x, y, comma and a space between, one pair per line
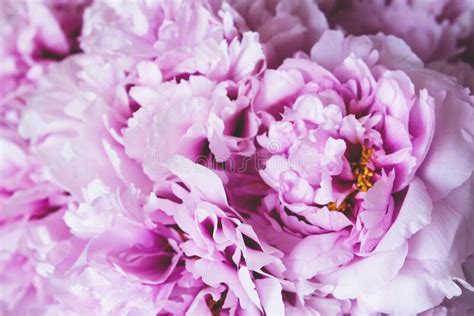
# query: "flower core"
363, 181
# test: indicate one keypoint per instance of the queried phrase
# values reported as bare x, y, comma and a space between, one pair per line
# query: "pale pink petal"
366, 274
414, 214
319, 253
449, 235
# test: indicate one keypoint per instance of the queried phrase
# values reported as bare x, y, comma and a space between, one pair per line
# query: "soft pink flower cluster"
236, 157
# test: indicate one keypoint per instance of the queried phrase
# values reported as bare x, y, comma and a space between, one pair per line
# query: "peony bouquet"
236, 157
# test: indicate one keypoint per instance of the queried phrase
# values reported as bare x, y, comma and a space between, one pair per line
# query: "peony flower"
74, 123
368, 159
34, 237
221, 250
235, 157
183, 37
284, 27
434, 30
130, 108
125, 244
34, 33
31, 207
194, 116
34, 246
461, 14
161, 251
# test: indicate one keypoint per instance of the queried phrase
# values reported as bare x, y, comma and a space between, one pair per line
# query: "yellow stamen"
362, 172
345, 206
363, 183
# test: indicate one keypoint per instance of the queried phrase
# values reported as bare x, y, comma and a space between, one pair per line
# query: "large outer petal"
434, 259
413, 290
366, 274
318, 253
414, 214
450, 234
449, 161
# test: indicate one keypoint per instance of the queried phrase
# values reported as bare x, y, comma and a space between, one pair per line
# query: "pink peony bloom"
200, 181
196, 115
120, 239
369, 157
74, 122
34, 237
434, 30
126, 244
188, 257
31, 208
134, 111
34, 245
183, 37
187, 36
285, 27
221, 250
34, 33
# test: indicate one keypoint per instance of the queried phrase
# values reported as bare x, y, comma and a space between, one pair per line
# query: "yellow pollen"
345, 206
363, 183
362, 172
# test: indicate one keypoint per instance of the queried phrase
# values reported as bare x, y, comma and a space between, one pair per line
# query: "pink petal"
318, 253
449, 160
450, 234
366, 275
412, 291
269, 290
414, 214
198, 178
277, 86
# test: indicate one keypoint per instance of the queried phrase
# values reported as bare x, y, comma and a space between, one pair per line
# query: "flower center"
363, 181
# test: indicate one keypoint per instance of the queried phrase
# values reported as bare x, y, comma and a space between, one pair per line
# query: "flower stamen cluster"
363, 181
361, 170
